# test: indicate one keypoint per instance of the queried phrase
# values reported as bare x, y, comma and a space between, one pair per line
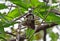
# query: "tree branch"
20, 17
45, 26
45, 32
55, 11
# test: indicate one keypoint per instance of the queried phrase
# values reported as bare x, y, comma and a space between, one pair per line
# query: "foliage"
40, 9
2, 6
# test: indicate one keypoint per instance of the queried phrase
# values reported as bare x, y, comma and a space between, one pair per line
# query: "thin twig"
20, 17
10, 8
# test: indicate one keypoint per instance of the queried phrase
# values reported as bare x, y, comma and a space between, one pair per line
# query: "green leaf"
19, 3
1, 29
2, 39
5, 22
26, 3
54, 36
13, 14
53, 18
2, 6
54, 1
29, 32
4, 36
35, 3
2, 17
8, 24
41, 12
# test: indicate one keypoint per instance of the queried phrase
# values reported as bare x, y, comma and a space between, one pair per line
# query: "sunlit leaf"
13, 14
19, 3
51, 16
26, 3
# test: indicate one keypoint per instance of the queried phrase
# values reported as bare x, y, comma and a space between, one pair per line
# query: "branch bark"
55, 11
45, 26
45, 32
